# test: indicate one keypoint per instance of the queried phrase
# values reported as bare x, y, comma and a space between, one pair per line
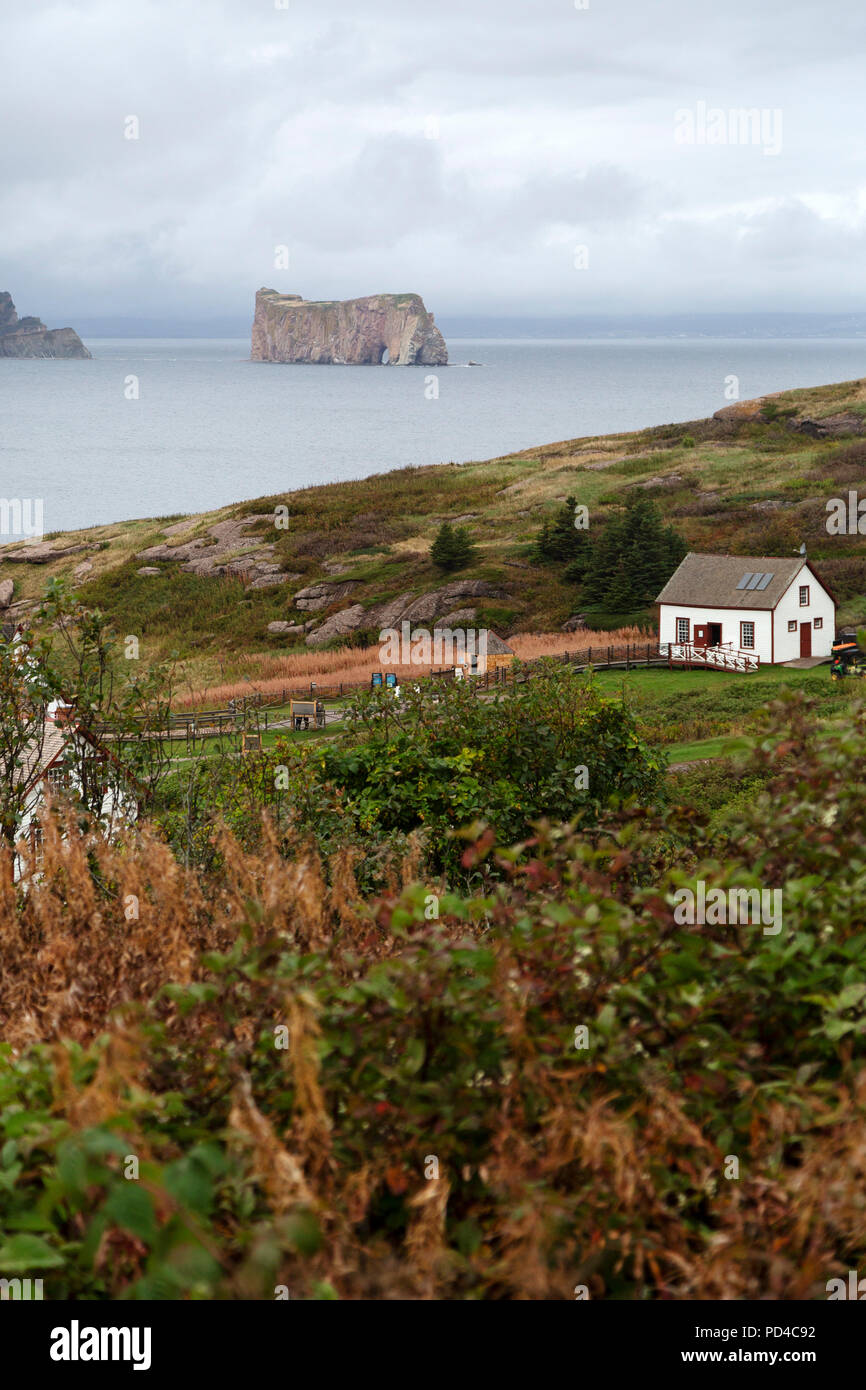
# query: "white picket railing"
722, 657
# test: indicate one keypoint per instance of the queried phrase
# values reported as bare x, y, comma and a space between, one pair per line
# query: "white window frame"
747, 645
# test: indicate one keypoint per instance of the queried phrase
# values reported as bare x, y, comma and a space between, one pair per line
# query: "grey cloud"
307, 126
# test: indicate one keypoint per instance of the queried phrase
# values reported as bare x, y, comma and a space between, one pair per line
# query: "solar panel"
765, 579
745, 579
753, 582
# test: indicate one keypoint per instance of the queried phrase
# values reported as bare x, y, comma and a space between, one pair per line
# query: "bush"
445, 759
488, 1095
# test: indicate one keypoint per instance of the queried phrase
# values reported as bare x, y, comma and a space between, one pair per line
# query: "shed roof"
717, 581
496, 646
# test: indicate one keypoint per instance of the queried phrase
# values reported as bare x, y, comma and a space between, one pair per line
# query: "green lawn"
661, 681
720, 747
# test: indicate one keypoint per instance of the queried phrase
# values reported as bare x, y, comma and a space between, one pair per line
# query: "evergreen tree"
452, 550
632, 559
559, 538
464, 550
442, 549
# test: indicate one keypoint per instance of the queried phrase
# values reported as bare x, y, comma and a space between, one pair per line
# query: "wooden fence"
625, 656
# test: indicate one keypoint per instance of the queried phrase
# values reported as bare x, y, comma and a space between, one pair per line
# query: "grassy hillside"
754, 479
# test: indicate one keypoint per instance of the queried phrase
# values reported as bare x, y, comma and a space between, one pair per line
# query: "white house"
753, 606
51, 763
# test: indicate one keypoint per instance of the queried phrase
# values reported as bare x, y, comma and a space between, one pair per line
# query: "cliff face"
287, 328
29, 337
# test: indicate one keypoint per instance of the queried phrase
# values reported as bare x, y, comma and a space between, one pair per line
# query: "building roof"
40, 754
496, 646
720, 581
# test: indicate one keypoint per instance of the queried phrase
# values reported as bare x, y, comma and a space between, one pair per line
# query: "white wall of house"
729, 620
773, 641
788, 610
118, 809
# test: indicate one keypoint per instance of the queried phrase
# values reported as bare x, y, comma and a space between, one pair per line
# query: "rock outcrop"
411, 608
28, 337
287, 328
767, 409
227, 549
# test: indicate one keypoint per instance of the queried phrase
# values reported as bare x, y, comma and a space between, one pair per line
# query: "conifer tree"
452, 550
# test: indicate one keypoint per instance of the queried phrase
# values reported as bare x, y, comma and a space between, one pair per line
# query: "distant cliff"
288, 328
29, 337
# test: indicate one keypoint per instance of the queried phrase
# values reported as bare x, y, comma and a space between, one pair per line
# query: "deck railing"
721, 657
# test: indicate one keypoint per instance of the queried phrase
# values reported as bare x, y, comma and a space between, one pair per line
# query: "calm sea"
209, 427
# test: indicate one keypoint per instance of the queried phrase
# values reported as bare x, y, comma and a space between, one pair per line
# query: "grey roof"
713, 581
496, 646
40, 753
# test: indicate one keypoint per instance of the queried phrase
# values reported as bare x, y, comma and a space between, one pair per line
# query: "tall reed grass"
269, 673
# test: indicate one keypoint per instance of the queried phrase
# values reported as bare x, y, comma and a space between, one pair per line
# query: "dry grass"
269, 674
565, 1180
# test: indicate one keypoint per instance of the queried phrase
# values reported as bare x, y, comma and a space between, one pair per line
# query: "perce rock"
287, 328
29, 337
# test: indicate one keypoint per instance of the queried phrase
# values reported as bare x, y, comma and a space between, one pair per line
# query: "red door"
805, 639
700, 637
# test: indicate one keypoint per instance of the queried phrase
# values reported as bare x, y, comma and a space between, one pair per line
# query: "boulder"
41, 552
461, 617
574, 624
228, 548
419, 611
145, 569
317, 596
7, 588
428, 607
280, 629
338, 625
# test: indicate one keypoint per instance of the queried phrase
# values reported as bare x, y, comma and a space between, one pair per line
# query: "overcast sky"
464, 149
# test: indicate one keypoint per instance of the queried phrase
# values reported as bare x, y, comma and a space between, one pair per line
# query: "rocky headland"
28, 337
392, 328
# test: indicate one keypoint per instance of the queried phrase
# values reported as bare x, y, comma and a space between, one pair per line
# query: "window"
819, 622
747, 634
804, 595
792, 624
682, 629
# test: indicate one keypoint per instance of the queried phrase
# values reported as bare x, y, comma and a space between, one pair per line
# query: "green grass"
704, 748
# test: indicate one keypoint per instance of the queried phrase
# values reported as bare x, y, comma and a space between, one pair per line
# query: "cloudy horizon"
498, 158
